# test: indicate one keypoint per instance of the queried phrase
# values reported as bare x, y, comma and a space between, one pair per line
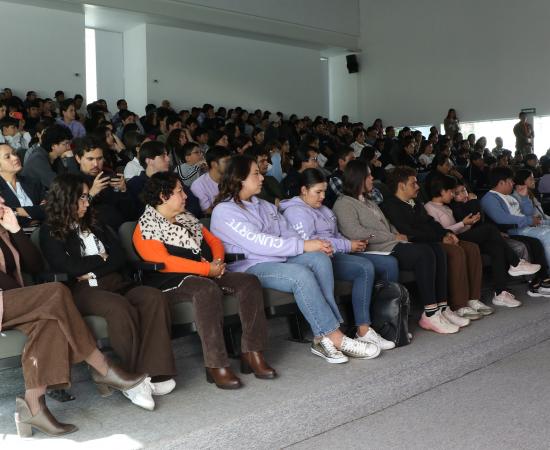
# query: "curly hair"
62, 206
161, 184
236, 172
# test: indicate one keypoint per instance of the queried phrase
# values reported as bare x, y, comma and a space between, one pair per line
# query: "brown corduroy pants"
139, 324
464, 273
207, 297
57, 335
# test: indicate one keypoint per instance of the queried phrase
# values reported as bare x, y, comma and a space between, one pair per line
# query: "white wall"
486, 59
343, 90
41, 50
110, 67
135, 68
194, 67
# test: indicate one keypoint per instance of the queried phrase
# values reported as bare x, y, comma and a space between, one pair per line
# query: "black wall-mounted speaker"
352, 63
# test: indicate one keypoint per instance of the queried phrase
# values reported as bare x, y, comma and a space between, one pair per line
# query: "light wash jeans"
309, 277
360, 271
386, 267
542, 233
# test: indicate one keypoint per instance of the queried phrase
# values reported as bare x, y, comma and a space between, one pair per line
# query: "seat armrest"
234, 257
49, 277
148, 266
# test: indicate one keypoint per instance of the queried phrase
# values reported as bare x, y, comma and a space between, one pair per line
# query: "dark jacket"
34, 190
38, 167
271, 189
113, 208
413, 221
65, 255
291, 184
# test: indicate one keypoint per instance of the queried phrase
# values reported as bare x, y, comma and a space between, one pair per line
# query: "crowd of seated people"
301, 202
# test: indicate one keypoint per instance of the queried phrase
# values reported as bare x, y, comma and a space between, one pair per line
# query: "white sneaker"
468, 313
163, 387
325, 349
141, 395
506, 299
523, 268
358, 349
437, 323
455, 319
480, 307
375, 338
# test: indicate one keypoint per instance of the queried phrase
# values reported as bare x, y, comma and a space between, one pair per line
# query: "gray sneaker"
326, 349
358, 349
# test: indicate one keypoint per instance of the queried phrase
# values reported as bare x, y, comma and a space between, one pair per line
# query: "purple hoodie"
313, 223
255, 229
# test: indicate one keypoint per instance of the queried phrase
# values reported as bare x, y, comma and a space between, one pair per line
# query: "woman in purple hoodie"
312, 220
282, 259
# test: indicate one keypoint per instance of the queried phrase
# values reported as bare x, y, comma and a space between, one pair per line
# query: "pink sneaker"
437, 323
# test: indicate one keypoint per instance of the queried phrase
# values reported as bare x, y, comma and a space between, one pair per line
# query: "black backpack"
389, 308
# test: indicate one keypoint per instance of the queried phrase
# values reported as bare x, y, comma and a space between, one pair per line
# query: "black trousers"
492, 243
429, 263
536, 250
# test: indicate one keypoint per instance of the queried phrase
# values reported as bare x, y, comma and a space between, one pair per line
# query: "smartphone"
16, 115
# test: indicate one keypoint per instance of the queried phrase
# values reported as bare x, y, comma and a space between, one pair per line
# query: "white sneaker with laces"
163, 387
141, 395
375, 338
523, 268
506, 299
437, 323
359, 349
480, 307
326, 349
455, 319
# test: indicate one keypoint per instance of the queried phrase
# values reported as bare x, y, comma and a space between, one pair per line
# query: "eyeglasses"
85, 198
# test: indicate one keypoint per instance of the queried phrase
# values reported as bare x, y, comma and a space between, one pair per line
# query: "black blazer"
65, 255
35, 192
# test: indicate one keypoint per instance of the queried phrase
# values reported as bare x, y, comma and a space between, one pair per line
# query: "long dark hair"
236, 172
62, 206
355, 174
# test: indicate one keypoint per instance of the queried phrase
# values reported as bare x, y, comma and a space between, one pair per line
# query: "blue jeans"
310, 279
386, 267
361, 272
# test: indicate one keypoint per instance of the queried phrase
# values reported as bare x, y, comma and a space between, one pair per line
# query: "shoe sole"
485, 313
435, 331
363, 357
472, 317
505, 305
522, 273
330, 360
537, 294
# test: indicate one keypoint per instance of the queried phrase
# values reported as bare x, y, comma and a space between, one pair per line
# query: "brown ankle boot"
255, 362
116, 378
43, 421
223, 377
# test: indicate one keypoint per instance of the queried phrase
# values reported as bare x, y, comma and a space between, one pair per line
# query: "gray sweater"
358, 220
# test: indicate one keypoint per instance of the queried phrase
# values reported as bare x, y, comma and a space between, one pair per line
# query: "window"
91, 72
491, 129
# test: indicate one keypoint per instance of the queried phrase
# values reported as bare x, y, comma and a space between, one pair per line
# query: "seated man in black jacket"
409, 216
153, 158
108, 191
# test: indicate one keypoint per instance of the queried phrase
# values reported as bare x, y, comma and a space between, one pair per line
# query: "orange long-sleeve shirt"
155, 251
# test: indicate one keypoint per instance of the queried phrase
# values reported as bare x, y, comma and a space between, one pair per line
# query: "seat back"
125, 233
35, 239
